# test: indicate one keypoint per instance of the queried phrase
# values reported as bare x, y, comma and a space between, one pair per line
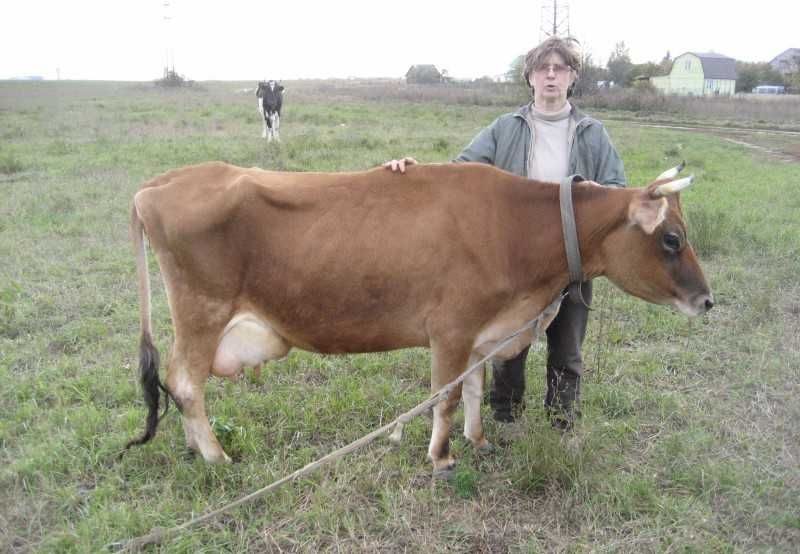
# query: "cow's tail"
148, 354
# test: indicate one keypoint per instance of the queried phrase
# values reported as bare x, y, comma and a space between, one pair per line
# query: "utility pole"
554, 19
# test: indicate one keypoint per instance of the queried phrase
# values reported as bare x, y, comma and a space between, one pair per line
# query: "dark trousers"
564, 362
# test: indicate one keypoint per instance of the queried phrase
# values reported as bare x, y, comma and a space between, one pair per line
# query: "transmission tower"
169, 57
555, 19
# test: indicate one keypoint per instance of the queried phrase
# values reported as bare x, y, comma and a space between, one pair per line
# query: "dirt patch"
783, 151
783, 146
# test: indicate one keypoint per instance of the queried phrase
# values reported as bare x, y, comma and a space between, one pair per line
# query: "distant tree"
648, 69
514, 73
771, 76
792, 80
665, 65
424, 74
588, 76
750, 75
746, 76
485, 80
620, 65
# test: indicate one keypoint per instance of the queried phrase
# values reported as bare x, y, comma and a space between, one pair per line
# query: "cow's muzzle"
697, 305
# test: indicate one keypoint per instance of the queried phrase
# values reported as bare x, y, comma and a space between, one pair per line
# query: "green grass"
689, 436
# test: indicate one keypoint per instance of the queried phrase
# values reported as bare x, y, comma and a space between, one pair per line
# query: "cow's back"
367, 249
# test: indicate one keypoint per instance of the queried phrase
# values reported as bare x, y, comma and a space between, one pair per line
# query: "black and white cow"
270, 100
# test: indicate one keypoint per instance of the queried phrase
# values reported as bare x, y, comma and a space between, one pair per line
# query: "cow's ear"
281, 88
648, 213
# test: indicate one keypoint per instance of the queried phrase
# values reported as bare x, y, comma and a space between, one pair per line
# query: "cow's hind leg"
472, 392
270, 129
448, 361
189, 368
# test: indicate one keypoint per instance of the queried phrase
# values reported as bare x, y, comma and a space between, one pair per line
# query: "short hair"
567, 48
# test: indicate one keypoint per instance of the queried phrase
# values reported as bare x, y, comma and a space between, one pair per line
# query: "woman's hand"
399, 165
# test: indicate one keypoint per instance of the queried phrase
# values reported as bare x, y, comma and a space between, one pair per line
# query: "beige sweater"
549, 157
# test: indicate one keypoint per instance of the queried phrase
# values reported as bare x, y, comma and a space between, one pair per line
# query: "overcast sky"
288, 39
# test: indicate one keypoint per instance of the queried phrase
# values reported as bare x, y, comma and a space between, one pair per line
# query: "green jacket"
506, 143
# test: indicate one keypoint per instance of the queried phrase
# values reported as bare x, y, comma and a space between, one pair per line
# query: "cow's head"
651, 256
271, 85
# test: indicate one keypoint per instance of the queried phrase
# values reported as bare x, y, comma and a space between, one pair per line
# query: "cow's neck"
598, 211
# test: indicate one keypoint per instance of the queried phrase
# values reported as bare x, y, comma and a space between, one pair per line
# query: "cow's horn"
675, 186
672, 173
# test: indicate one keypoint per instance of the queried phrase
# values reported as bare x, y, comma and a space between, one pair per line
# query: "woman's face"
550, 81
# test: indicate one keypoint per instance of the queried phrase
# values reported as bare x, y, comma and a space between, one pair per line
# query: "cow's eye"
672, 242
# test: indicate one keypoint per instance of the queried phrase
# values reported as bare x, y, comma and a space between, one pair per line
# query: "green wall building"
699, 75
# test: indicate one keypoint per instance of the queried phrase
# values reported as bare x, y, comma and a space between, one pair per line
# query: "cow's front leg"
472, 392
263, 119
448, 361
276, 126
439, 449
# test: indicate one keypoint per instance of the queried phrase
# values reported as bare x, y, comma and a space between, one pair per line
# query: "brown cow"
452, 257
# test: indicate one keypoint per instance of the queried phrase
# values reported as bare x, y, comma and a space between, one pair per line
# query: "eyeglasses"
557, 68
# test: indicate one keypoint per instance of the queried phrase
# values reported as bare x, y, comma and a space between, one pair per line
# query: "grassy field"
690, 439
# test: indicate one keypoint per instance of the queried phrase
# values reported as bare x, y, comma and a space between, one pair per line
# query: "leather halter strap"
571, 238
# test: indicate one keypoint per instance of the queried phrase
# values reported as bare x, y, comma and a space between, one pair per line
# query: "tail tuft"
151, 387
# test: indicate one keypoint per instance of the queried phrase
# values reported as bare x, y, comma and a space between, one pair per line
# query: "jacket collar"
577, 117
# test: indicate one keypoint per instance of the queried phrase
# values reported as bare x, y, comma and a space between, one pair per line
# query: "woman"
547, 140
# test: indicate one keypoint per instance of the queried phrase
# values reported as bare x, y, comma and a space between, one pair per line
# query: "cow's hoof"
397, 434
445, 473
218, 458
486, 448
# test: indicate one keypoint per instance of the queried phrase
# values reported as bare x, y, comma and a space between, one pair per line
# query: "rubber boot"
507, 395
562, 400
